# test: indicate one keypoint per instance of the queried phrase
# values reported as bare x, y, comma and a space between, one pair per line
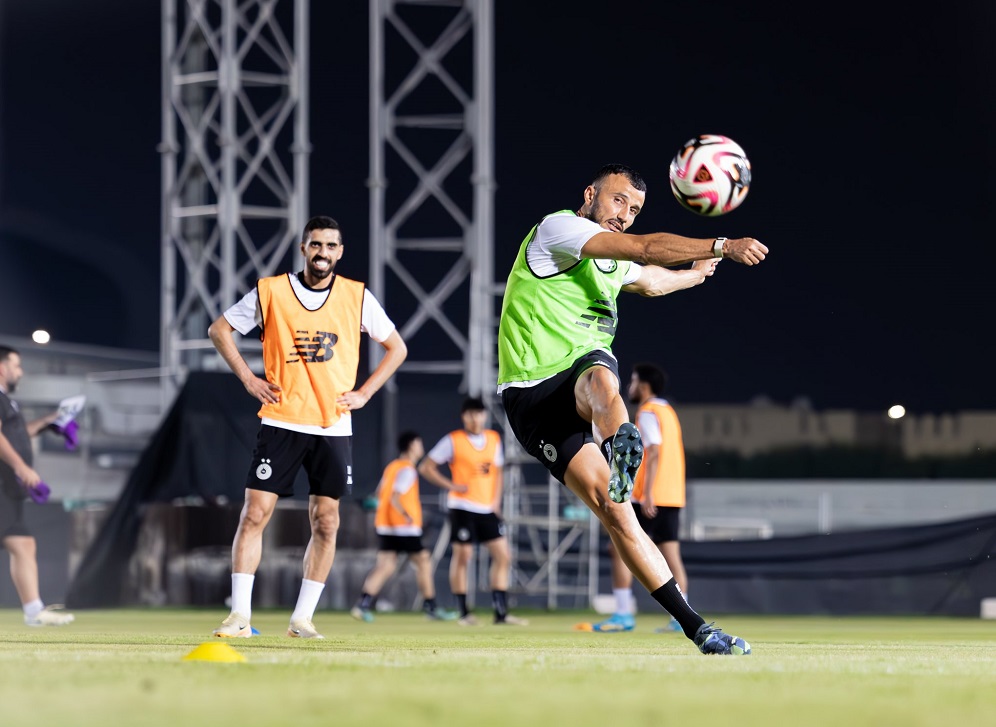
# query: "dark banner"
945, 568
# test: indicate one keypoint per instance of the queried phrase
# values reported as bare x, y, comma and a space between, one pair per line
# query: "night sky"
870, 132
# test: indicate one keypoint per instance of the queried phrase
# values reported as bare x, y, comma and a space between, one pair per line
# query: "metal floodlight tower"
234, 160
432, 137
431, 134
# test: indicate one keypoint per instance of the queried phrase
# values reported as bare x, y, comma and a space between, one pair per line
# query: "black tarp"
943, 568
201, 450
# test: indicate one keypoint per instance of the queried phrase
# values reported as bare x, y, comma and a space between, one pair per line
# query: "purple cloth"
71, 431
39, 493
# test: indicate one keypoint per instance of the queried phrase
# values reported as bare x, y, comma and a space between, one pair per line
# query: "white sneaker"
468, 620
50, 616
511, 620
303, 629
236, 626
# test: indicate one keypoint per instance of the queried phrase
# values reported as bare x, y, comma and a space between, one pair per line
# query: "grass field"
124, 668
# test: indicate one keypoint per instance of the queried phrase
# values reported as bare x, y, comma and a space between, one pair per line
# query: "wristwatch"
717, 247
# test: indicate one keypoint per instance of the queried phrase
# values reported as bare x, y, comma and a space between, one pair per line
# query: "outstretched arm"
395, 353
663, 248
655, 281
221, 336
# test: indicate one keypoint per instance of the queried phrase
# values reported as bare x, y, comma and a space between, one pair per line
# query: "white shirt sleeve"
244, 315
558, 242
633, 274
442, 453
404, 480
500, 455
373, 320
650, 428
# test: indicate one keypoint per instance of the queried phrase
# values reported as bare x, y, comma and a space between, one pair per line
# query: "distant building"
761, 426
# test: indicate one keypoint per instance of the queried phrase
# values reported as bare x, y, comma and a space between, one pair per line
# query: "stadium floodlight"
41, 336
896, 411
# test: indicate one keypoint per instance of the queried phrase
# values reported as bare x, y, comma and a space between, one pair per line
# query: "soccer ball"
710, 175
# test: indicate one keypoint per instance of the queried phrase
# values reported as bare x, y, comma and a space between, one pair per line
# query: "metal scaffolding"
432, 253
234, 160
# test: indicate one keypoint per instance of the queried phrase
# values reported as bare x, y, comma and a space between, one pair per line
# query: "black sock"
366, 601
670, 598
499, 599
429, 605
462, 603
607, 449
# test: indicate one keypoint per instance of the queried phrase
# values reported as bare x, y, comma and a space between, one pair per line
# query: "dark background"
869, 130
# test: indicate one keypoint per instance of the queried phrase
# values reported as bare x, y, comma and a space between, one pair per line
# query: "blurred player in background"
559, 380
311, 323
399, 530
18, 480
476, 459
658, 494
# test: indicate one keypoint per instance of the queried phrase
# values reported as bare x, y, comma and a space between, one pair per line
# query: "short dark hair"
6, 351
653, 375
321, 222
473, 403
631, 174
405, 440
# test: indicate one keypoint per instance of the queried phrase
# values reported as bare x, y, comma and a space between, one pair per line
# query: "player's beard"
317, 274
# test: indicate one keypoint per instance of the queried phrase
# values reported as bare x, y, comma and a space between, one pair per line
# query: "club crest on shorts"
264, 470
550, 452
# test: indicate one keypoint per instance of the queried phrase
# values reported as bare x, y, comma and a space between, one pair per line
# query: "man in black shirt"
17, 480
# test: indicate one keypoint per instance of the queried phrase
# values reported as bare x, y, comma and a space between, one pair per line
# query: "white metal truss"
431, 135
432, 253
234, 159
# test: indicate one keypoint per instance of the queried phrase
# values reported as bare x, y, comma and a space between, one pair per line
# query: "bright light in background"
41, 336
897, 411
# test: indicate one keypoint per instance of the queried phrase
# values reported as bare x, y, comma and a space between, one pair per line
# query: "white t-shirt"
245, 315
557, 246
442, 453
558, 242
650, 426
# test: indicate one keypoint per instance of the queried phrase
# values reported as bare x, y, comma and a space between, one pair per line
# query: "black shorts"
12, 516
475, 527
662, 527
400, 543
280, 453
545, 417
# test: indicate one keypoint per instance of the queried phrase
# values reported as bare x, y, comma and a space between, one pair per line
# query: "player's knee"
253, 517
325, 523
21, 546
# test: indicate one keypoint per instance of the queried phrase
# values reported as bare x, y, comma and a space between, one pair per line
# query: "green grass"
124, 668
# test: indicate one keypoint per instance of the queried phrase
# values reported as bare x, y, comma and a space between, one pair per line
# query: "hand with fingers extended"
744, 250
263, 390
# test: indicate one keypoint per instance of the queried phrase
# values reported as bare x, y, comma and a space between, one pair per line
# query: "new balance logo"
603, 315
315, 348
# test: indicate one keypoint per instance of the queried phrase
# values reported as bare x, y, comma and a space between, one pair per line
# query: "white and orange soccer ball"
710, 175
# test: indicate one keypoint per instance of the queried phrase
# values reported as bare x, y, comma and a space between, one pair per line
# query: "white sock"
624, 599
33, 608
307, 600
242, 593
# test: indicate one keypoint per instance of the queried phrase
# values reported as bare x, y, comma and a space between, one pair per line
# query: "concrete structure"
761, 426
